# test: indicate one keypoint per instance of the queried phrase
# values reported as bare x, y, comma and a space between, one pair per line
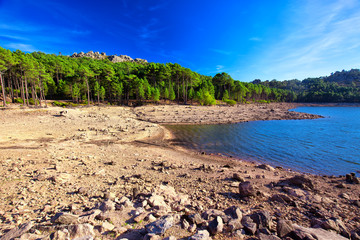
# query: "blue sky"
280, 39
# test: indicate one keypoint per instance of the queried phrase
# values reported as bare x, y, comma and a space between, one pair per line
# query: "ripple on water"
324, 146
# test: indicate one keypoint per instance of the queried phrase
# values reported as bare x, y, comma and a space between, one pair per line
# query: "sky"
257, 39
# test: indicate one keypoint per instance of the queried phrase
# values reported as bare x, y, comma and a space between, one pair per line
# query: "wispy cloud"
325, 35
158, 6
224, 52
255, 39
219, 68
21, 46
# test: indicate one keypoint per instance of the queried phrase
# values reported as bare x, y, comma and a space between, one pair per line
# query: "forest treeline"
341, 86
31, 78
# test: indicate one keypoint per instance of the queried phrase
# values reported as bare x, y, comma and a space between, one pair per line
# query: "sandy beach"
112, 173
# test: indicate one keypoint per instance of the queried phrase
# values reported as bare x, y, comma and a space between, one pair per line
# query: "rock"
141, 217
237, 177
266, 167
351, 178
201, 235
281, 198
157, 201
216, 226
263, 236
17, 231
211, 213
161, 225
62, 178
81, 231
283, 228
240, 234
196, 219
151, 236
330, 224
107, 206
60, 235
234, 212
262, 219
249, 225
235, 224
65, 218
170, 238
106, 226
246, 189
302, 182
317, 233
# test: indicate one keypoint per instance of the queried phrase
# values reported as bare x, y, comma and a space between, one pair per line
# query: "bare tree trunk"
26, 93
88, 91
3, 88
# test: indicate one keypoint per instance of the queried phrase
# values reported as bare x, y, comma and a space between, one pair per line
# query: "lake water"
329, 145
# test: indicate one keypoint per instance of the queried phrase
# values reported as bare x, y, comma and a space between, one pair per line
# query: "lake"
328, 145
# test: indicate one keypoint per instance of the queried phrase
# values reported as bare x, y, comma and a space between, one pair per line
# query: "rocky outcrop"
112, 58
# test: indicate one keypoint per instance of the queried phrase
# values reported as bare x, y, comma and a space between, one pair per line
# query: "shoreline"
106, 170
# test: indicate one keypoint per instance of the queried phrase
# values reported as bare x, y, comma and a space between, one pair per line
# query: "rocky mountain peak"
113, 58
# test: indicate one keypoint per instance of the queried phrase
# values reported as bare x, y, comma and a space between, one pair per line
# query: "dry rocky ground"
110, 173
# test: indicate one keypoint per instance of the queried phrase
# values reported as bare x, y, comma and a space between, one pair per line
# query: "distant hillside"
341, 86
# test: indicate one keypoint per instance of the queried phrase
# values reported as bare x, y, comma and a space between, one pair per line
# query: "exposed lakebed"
327, 145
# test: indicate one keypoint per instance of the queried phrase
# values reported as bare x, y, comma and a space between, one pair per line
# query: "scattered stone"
316, 233
17, 231
302, 182
281, 198
65, 218
201, 235
283, 228
107, 206
151, 236
237, 177
249, 225
82, 231
216, 226
246, 189
266, 167
235, 224
234, 212
161, 225
262, 219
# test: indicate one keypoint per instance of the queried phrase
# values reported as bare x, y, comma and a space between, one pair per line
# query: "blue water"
328, 145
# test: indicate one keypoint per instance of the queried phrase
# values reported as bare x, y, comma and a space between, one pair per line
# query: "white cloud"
224, 52
255, 39
325, 36
22, 47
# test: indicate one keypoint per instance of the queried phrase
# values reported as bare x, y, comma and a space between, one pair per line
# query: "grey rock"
151, 236
161, 225
237, 177
83, 231
65, 218
196, 219
216, 225
17, 231
107, 206
330, 224
302, 182
249, 225
263, 236
266, 167
201, 235
246, 189
284, 228
262, 219
234, 212
317, 233
281, 198
235, 224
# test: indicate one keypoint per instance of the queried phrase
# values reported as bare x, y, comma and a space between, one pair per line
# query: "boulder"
161, 225
249, 225
234, 212
65, 218
246, 189
201, 235
302, 182
317, 233
262, 219
107, 206
284, 228
263, 236
17, 231
216, 225
266, 167
83, 231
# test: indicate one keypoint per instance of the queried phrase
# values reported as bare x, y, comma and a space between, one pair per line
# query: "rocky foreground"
100, 173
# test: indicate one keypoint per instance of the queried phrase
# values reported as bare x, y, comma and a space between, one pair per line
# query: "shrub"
59, 104
32, 102
18, 100
230, 102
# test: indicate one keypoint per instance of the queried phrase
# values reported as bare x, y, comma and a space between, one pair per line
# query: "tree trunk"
3, 88
88, 91
26, 93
